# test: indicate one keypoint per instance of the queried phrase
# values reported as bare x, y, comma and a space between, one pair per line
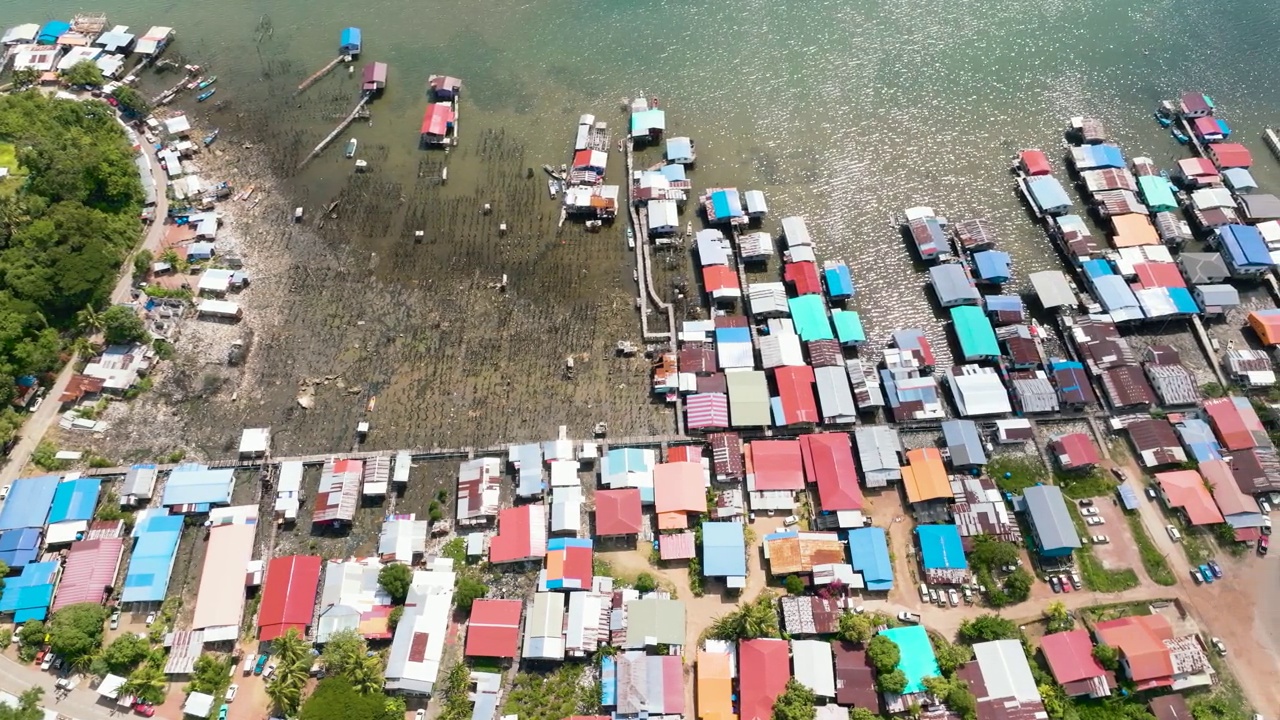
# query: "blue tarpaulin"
50, 33
1097, 268
726, 204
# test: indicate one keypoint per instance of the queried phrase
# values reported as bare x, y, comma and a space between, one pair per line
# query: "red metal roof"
516, 532
288, 595
1206, 126
1229, 155
726, 455
1159, 274
804, 277
1140, 640
91, 566
436, 120
1075, 451
1034, 162
685, 453
795, 390
764, 667
719, 277
1229, 424
494, 628
618, 512
828, 461
1070, 656
776, 464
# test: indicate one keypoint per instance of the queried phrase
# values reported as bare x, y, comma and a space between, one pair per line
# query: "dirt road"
155, 231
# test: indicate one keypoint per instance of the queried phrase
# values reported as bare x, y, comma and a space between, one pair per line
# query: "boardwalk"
364, 100
321, 73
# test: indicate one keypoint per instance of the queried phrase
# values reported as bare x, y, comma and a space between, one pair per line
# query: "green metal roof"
1156, 193
809, 312
848, 326
977, 337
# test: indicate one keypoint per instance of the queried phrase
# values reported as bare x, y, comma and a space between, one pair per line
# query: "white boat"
444, 175
361, 165
553, 187
351, 147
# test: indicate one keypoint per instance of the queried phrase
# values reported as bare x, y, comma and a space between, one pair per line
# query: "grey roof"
1260, 206
768, 299
866, 385
660, 620
796, 231
1217, 295
1050, 518
963, 442
815, 666
953, 286
1035, 394
529, 457
544, 627
1053, 288
1174, 384
1203, 267
711, 248
879, 448
1170, 227
835, 397
748, 398
1005, 670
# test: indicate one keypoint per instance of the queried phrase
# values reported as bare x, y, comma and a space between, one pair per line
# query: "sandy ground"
1121, 552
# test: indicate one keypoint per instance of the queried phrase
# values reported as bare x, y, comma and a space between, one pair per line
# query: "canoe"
206, 94
206, 82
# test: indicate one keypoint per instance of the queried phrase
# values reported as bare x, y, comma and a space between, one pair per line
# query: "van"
1174, 535
924, 592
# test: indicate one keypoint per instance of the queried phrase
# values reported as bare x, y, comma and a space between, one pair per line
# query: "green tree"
89, 320
855, 628
343, 652
1017, 586
28, 707
796, 702
131, 101
366, 677
986, 628
76, 630
861, 713
396, 579
468, 590
950, 655
336, 699
84, 74
1213, 390
991, 553
121, 325
210, 675
26, 77
285, 693
124, 653
1107, 656
1057, 618
955, 694
892, 682
756, 619
148, 683
31, 634
794, 585
393, 620
883, 653
142, 263
646, 582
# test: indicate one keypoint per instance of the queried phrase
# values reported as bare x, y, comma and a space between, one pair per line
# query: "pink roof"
678, 488
676, 546
1185, 489
1226, 492
1206, 126
1140, 639
1231, 155
795, 391
1233, 423
1159, 274
776, 464
1075, 451
1070, 656
707, 410
289, 595
494, 628
764, 667
672, 685
1196, 167
91, 566
804, 276
1034, 162
522, 534
828, 461
618, 512
436, 120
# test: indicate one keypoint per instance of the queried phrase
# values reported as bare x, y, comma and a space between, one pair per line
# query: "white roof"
255, 440
35, 57
20, 34
349, 589
1053, 289
290, 476
1005, 670
427, 610
77, 55
177, 124
781, 350
801, 253
215, 280
663, 214
566, 510
110, 686
564, 473
768, 298
979, 393
64, 532
402, 538
543, 628
217, 307
198, 704
796, 231
814, 666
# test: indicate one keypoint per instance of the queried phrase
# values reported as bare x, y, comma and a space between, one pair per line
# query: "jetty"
346, 122
321, 73
373, 82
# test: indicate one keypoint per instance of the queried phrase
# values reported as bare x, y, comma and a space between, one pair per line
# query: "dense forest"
68, 217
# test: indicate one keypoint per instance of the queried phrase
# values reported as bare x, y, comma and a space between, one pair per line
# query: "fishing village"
752, 506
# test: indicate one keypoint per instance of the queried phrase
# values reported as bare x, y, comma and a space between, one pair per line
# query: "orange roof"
1267, 325
1141, 639
1185, 489
1132, 229
925, 476
673, 521
799, 553
1226, 492
715, 687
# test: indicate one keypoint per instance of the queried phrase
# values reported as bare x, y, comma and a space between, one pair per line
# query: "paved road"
81, 703
42, 419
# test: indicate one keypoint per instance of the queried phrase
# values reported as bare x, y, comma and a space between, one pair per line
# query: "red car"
1263, 543
144, 709
40, 656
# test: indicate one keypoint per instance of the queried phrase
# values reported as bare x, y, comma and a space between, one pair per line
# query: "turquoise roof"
809, 312
917, 659
977, 337
1156, 193
646, 120
848, 326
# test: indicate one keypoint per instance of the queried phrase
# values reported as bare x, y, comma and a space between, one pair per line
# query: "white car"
790, 520
1088, 511
151, 617
1094, 521
953, 597
1101, 539
1265, 506
1220, 646
232, 689
48, 661
924, 592
909, 617
421, 714
271, 669
4, 491
115, 620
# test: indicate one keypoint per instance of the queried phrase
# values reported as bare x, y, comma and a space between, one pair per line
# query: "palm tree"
753, 620
85, 661
366, 675
90, 320
285, 690
148, 683
290, 649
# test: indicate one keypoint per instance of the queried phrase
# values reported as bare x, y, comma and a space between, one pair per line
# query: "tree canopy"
395, 579
883, 653
125, 653
1057, 618
892, 682
468, 590
756, 619
347, 655
796, 702
28, 707
1107, 656
84, 73
76, 630
121, 325
335, 699
985, 628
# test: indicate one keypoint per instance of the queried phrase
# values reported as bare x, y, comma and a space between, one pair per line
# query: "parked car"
1053, 583
222, 712
909, 617
1119, 474
1215, 568
1263, 543
1220, 646
1087, 502
953, 597
933, 596
1195, 575
1266, 507
48, 661
1151, 492
1206, 573
968, 594
1095, 520
4, 491
1174, 535
144, 709
262, 662
421, 714
1075, 580
115, 620
151, 617
1266, 525
1065, 583
924, 592
790, 520
271, 670
1087, 511
1101, 540
232, 689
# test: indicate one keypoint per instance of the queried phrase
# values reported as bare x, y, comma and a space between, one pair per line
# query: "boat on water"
564, 170
351, 147
1179, 136
206, 82
206, 94
444, 175
553, 187
552, 172
361, 165
631, 238
208, 139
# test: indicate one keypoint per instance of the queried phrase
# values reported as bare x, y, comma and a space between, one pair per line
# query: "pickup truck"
909, 617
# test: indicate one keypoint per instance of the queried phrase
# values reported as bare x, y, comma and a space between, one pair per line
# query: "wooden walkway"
364, 100
321, 73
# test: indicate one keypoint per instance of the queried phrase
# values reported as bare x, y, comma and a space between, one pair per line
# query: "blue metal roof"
1239, 178
75, 500
1198, 437
19, 547
155, 546
1183, 300
839, 280
52, 30
28, 503
870, 553
646, 120
1048, 193
726, 203
1114, 293
350, 41
608, 681
723, 550
195, 484
679, 148
1007, 303
674, 172
940, 547
1094, 157
1097, 267
1244, 245
916, 657
977, 337
1128, 498
29, 595
992, 265
809, 312
733, 334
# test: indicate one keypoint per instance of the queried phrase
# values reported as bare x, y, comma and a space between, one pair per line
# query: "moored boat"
208, 139
206, 94
351, 147
206, 82
1179, 136
553, 187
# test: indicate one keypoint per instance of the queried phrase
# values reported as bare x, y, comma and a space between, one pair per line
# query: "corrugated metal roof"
952, 284
91, 566
835, 396
1050, 521
814, 666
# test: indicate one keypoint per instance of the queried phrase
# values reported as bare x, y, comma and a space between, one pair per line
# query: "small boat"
206, 94
564, 170
1179, 136
351, 147
1164, 121
206, 82
373, 403
553, 187
552, 172
444, 175
297, 214
361, 165
594, 225
631, 238
208, 139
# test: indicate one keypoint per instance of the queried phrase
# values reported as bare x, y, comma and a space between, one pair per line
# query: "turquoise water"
846, 112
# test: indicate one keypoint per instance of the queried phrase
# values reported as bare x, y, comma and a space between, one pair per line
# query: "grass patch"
1102, 613
552, 696
1196, 546
9, 159
1016, 473
1092, 484
1093, 574
1153, 560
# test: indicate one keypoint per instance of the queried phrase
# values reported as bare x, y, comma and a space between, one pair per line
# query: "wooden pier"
346, 122
322, 72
